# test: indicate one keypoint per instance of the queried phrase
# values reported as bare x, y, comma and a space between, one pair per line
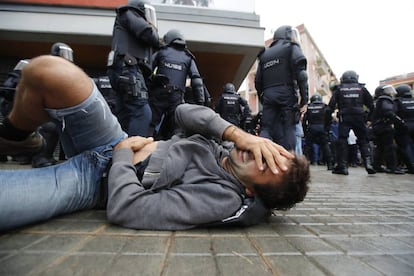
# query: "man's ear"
250, 192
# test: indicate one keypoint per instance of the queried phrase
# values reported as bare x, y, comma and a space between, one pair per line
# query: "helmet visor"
294, 35
389, 90
150, 15
22, 63
66, 53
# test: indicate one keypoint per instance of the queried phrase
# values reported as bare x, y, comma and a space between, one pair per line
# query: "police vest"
275, 65
383, 105
351, 99
407, 108
175, 64
230, 106
316, 113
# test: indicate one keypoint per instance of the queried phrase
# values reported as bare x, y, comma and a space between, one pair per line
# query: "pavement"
358, 224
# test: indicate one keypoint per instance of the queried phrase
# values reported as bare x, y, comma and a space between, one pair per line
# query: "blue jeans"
88, 133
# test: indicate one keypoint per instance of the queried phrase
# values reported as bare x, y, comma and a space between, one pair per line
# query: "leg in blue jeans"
33, 195
88, 130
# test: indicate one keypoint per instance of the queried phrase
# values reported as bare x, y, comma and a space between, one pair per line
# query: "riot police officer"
9, 87
129, 64
7, 92
384, 119
404, 104
281, 68
172, 65
48, 130
232, 107
104, 85
350, 97
316, 130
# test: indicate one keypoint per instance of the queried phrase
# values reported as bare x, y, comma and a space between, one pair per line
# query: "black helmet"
379, 91
174, 36
404, 91
287, 32
62, 50
350, 77
143, 8
229, 88
137, 4
316, 98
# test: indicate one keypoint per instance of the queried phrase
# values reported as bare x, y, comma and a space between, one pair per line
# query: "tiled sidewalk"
348, 225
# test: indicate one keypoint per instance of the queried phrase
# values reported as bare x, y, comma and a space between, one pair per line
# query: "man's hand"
303, 109
135, 143
263, 149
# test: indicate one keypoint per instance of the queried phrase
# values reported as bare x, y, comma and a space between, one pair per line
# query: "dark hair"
291, 190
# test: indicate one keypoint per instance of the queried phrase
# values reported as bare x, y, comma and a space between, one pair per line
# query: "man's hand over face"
263, 149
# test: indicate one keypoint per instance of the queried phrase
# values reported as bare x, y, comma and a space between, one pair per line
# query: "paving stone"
389, 265
80, 265
242, 265
344, 265
191, 265
226, 245
274, 246
347, 225
351, 245
27, 263
189, 245
294, 266
312, 245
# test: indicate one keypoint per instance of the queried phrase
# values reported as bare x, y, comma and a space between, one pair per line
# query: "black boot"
405, 158
367, 158
328, 157
342, 166
340, 170
45, 157
391, 160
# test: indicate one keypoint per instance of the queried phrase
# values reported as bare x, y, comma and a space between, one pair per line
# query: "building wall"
400, 79
29, 28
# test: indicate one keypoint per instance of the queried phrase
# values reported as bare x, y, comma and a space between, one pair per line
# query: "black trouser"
316, 134
355, 122
163, 102
405, 139
384, 151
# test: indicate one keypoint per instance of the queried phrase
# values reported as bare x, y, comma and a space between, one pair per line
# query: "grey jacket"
184, 185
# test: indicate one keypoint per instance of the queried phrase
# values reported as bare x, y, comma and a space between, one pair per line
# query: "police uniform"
384, 118
232, 107
404, 104
172, 65
133, 40
281, 68
316, 131
104, 86
350, 97
48, 130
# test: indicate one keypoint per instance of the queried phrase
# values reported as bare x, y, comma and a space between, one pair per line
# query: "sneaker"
29, 146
